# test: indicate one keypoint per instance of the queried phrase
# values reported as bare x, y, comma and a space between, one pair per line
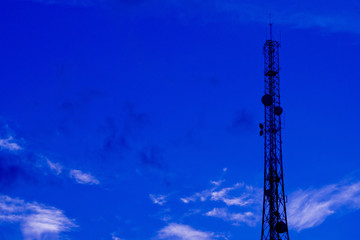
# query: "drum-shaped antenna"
267, 100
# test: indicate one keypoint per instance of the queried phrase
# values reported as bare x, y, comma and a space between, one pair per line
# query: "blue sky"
133, 120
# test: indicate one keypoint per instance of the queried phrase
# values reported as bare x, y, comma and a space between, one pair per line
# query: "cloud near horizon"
305, 209
309, 208
175, 231
37, 221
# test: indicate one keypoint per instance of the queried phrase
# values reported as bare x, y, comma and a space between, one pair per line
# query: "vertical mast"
274, 220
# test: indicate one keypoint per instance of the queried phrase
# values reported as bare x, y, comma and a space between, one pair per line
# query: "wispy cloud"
310, 208
9, 144
83, 178
217, 183
245, 198
158, 199
250, 218
37, 221
56, 167
242, 203
306, 208
25, 165
245, 195
183, 232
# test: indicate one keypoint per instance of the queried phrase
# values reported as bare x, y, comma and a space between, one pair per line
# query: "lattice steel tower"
274, 220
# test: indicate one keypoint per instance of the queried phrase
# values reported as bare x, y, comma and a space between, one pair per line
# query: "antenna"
270, 26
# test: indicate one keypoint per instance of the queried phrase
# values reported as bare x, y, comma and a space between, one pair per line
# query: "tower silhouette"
274, 220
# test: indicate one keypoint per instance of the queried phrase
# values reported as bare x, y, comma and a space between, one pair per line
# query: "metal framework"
274, 219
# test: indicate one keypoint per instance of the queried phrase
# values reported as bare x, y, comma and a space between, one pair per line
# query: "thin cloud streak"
248, 196
309, 208
158, 199
37, 221
55, 167
247, 217
239, 195
305, 209
9, 144
183, 232
19, 165
83, 178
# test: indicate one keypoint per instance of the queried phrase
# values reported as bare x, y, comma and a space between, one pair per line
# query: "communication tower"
274, 220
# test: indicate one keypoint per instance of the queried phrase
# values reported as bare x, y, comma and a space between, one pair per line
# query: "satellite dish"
280, 227
261, 126
261, 132
278, 110
267, 100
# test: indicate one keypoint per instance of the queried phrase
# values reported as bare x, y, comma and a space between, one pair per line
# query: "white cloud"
305, 209
83, 178
175, 231
248, 195
56, 167
238, 195
248, 217
158, 199
202, 196
37, 221
217, 183
223, 195
309, 208
8, 144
